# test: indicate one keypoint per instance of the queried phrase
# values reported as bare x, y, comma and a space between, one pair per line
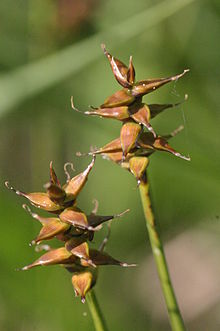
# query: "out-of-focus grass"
43, 128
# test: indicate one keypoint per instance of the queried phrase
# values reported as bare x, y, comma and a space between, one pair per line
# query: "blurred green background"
50, 50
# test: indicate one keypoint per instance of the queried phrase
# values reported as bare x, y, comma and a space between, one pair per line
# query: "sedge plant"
132, 150
73, 227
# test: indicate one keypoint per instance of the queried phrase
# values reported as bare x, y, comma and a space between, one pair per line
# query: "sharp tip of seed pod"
83, 299
187, 158
126, 265
180, 75
91, 164
22, 269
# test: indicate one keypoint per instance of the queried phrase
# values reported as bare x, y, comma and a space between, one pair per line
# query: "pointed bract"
101, 258
96, 220
156, 109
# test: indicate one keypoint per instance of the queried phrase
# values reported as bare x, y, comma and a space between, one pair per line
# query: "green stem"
98, 319
176, 320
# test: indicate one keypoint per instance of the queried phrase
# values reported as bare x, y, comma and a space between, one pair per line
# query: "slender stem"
98, 319
176, 320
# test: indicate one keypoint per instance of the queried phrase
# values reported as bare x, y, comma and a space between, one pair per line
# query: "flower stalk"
96, 313
175, 317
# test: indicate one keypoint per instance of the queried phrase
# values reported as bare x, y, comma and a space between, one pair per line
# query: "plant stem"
176, 320
98, 319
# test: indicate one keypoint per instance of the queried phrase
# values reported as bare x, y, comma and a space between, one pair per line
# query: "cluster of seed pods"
71, 226
131, 150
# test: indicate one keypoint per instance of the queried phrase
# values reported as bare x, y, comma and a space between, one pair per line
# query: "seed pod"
128, 136
55, 256
147, 141
138, 166
120, 70
38, 199
51, 226
75, 217
113, 147
75, 185
119, 113
116, 157
119, 98
56, 193
79, 248
140, 113
82, 283
161, 144
146, 86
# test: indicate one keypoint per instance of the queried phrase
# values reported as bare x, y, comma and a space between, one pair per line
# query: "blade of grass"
33, 78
